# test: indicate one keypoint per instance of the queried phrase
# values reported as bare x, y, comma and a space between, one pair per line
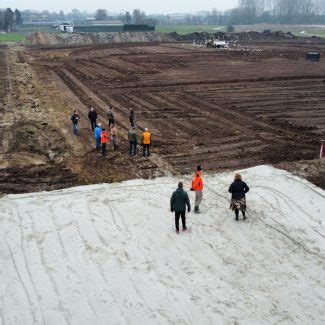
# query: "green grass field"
187, 29
12, 37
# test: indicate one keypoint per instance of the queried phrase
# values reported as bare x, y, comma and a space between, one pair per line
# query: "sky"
149, 6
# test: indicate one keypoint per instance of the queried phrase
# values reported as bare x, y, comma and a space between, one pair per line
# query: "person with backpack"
178, 203
238, 190
133, 139
97, 135
104, 141
114, 137
75, 117
146, 143
197, 186
92, 116
110, 116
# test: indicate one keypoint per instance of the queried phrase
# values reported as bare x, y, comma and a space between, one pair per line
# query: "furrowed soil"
225, 109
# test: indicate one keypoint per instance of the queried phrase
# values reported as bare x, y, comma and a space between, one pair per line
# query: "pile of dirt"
37, 137
313, 170
41, 39
47, 177
243, 36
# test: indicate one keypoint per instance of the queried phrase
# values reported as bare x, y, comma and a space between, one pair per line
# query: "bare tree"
8, 19
291, 11
250, 10
126, 18
18, 18
101, 14
139, 17
2, 19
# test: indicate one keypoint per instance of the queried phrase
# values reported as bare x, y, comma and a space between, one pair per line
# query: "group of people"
180, 202
103, 137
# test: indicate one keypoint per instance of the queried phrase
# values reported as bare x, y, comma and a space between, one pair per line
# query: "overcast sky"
149, 6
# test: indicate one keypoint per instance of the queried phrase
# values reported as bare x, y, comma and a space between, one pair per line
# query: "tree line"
137, 17
10, 19
278, 11
247, 12
250, 12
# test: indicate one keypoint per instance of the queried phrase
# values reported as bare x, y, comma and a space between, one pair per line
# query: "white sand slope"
108, 254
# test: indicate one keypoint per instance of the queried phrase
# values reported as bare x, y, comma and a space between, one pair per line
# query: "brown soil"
257, 104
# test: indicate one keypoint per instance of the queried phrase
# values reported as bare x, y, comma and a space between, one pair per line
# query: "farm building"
95, 28
65, 27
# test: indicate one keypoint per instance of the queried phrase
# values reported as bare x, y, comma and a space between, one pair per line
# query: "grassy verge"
187, 29
12, 37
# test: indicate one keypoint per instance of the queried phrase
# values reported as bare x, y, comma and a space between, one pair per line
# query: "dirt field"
256, 104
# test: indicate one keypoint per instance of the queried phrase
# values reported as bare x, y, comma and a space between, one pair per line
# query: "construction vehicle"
217, 44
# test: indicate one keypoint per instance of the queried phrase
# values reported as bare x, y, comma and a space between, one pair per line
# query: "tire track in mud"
6, 105
217, 82
79, 87
191, 99
163, 128
211, 152
3, 75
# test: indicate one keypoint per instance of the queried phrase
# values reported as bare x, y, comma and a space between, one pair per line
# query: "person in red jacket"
197, 186
104, 140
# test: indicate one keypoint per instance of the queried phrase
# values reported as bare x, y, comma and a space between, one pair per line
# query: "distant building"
37, 18
108, 23
65, 27
111, 28
177, 18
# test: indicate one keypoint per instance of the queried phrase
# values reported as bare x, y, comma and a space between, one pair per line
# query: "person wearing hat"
146, 142
197, 186
97, 135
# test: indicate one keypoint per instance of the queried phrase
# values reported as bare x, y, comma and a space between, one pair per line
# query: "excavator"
217, 44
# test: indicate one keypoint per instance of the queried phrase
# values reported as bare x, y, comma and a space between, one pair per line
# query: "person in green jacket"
178, 203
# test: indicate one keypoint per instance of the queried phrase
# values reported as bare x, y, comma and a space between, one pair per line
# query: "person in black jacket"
110, 116
75, 117
92, 115
132, 117
178, 203
238, 190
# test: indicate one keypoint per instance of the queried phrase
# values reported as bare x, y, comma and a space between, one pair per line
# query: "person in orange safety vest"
104, 140
146, 143
197, 186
